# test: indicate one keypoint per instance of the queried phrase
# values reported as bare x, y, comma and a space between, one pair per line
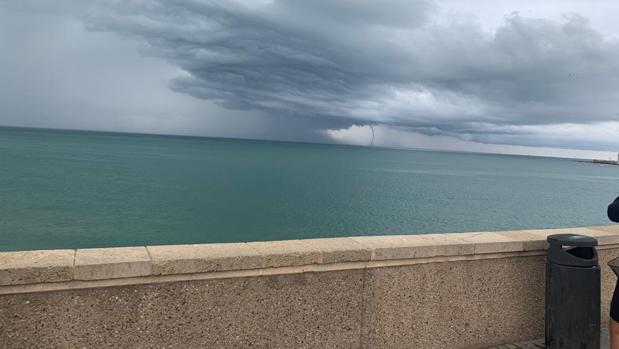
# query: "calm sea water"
61, 189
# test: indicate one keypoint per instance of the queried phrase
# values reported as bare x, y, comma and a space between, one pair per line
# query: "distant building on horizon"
608, 162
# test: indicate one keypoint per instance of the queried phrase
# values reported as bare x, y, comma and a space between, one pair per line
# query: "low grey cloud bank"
402, 64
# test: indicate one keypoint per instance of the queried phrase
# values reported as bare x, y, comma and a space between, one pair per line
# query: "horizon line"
181, 135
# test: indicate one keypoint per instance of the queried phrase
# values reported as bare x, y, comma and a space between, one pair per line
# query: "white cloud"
385, 136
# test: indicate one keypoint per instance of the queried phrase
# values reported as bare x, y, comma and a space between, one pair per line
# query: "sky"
522, 77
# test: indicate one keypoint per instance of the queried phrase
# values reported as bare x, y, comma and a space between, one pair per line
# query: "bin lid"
580, 252
574, 240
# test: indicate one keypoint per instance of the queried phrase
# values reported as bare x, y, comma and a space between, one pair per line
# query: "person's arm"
613, 211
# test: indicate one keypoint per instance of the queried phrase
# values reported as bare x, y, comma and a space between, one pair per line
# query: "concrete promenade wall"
468, 290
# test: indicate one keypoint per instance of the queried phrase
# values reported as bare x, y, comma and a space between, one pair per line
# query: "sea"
78, 189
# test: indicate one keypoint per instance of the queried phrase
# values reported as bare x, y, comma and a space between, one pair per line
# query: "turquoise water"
61, 189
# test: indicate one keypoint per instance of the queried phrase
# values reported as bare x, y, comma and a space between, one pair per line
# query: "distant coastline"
606, 162
600, 162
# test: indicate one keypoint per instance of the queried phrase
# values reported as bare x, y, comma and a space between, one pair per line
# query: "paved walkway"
539, 344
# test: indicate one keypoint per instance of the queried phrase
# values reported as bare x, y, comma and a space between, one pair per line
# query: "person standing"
613, 211
613, 214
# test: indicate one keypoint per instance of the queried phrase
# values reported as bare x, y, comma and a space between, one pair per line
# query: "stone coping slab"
29, 267
111, 263
178, 259
262, 258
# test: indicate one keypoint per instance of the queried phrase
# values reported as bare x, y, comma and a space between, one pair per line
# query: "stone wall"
469, 290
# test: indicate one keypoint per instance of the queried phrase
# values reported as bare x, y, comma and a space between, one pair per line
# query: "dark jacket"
613, 211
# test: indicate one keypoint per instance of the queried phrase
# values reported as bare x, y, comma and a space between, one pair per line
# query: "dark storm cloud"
385, 62
302, 65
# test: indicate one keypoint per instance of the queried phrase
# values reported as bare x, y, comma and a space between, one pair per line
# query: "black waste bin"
572, 293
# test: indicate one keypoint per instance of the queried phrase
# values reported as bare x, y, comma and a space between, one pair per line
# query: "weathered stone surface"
536, 239
111, 263
541, 344
456, 304
338, 250
29, 267
531, 241
460, 304
415, 246
607, 228
605, 235
182, 259
582, 231
436, 303
312, 310
487, 242
385, 247
287, 253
